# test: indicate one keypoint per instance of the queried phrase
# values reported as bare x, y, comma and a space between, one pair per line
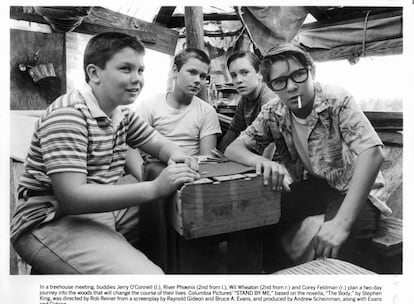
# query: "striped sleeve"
139, 132
64, 141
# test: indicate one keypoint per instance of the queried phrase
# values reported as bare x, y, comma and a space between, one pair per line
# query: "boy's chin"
129, 101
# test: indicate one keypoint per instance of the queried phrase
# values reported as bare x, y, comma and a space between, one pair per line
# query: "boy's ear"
92, 71
313, 72
174, 71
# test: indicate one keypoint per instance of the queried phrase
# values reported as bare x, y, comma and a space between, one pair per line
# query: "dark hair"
103, 46
182, 57
283, 53
254, 60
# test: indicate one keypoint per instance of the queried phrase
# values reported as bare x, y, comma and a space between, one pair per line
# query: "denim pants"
99, 243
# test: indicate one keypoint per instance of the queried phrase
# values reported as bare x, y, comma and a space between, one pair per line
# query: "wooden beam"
177, 20
218, 34
100, 20
164, 15
194, 27
195, 33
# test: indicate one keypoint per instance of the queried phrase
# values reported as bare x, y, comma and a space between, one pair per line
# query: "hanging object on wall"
44, 76
63, 18
39, 72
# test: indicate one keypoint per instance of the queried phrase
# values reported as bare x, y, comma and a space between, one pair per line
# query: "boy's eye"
125, 69
232, 75
203, 76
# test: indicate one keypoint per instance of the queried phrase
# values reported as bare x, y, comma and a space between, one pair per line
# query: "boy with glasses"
330, 154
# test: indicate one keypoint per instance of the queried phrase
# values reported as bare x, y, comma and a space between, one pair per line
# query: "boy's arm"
134, 163
237, 125
227, 139
209, 130
207, 143
76, 196
333, 233
273, 172
167, 151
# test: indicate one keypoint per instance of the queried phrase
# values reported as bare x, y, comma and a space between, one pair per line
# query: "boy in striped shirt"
71, 216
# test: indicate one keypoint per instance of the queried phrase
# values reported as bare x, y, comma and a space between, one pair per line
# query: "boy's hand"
329, 239
173, 177
190, 161
274, 174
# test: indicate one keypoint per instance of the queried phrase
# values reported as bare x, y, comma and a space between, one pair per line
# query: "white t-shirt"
185, 126
300, 139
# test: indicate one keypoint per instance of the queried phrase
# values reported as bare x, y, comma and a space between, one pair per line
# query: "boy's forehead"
242, 62
284, 67
127, 53
196, 63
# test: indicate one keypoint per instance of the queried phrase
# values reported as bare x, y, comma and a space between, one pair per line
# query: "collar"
95, 109
319, 104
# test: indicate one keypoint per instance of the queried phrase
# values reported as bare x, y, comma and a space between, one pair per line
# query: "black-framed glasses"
298, 76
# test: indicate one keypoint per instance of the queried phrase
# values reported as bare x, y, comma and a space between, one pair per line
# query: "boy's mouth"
134, 90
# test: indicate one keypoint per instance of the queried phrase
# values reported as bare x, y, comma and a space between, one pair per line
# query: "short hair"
183, 56
253, 58
283, 53
103, 46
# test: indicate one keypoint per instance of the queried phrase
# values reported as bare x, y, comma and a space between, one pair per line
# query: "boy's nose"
291, 85
137, 77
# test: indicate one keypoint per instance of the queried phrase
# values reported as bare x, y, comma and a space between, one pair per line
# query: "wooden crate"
224, 204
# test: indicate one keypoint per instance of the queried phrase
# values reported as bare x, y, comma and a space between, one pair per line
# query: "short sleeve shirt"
185, 126
338, 132
75, 135
247, 110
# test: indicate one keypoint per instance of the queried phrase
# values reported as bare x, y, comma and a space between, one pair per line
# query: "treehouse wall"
25, 94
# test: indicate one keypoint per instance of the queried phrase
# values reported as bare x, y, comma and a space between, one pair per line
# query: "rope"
365, 34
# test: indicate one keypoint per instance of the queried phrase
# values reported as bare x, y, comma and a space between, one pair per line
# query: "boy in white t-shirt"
179, 114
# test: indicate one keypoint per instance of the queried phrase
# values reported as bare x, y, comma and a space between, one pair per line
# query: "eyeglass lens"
297, 76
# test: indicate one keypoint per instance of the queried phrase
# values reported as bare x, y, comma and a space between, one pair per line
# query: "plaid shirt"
338, 132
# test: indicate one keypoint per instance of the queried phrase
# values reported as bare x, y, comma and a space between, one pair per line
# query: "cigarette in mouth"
299, 103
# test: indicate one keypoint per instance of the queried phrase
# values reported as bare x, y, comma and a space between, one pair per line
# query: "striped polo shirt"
75, 135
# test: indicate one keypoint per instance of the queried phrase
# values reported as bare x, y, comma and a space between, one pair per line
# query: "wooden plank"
391, 138
385, 120
164, 15
153, 36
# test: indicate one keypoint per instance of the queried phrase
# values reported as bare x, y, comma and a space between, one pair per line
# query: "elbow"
380, 155
67, 207
228, 149
377, 156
